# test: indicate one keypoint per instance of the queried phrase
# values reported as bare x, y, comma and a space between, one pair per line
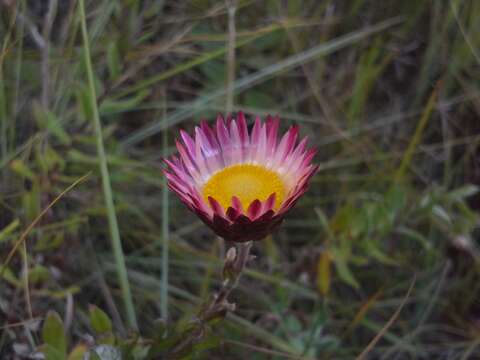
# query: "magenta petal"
199, 203
254, 209
221, 226
216, 207
292, 139
296, 154
270, 202
188, 141
228, 120
237, 153
266, 216
222, 132
309, 157
272, 130
237, 204
242, 128
240, 227
179, 171
255, 136
199, 155
209, 134
232, 213
187, 160
291, 201
286, 145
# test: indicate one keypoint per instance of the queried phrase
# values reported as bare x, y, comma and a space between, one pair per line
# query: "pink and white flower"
240, 184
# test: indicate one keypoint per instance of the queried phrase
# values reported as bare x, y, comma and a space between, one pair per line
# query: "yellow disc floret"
245, 181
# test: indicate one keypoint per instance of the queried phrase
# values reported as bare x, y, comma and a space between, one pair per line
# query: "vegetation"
381, 255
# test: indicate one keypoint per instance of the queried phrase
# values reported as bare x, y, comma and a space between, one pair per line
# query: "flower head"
240, 184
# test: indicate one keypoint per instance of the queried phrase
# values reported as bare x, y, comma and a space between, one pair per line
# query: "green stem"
165, 234
232, 7
107, 190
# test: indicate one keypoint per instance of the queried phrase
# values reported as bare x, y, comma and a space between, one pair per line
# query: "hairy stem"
218, 306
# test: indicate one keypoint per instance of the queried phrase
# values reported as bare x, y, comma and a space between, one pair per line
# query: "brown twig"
389, 323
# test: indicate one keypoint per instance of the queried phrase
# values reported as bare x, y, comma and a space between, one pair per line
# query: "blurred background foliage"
389, 93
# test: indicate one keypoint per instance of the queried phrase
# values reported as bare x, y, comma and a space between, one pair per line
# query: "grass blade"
107, 189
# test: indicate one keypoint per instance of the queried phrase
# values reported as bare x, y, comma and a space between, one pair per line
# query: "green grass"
387, 91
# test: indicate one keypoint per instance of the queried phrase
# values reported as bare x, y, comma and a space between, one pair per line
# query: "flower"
240, 184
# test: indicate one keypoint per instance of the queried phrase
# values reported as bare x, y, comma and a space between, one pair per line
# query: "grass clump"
387, 92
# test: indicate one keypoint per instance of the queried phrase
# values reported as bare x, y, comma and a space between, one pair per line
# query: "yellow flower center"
245, 181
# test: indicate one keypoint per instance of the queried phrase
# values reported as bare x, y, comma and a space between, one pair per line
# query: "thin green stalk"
3, 94
407, 158
18, 71
465, 34
232, 8
107, 190
3, 118
165, 232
